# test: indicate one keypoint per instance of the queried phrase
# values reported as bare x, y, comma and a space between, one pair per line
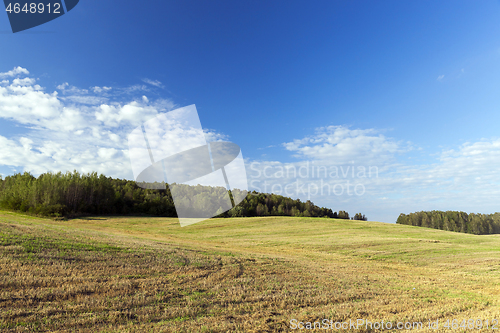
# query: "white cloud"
100, 89
15, 72
26, 143
23, 82
336, 167
73, 132
155, 83
79, 130
28, 105
341, 145
107, 153
440, 77
63, 86
213, 136
133, 113
336, 161
91, 100
81, 96
66, 88
135, 88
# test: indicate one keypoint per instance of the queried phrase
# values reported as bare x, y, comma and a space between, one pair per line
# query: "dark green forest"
75, 194
478, 224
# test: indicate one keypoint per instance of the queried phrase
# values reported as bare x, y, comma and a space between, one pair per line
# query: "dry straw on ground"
237, 275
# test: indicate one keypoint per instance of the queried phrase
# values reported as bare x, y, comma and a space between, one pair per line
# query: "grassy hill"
117, 274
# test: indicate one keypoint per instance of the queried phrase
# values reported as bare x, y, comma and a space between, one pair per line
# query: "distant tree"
478, 224
360, 217
262, 210
70, 194
343, 215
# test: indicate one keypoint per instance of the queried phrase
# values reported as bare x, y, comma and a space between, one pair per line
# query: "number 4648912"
34, 8
472, 324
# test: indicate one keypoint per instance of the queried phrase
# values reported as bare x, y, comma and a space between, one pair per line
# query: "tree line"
72, 194
478, 224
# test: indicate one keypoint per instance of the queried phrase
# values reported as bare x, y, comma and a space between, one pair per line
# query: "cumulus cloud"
15, 72
76, 95
469, 168
360, 170
98, 90
341, 145
66, 88
27, 104
213, 136
63, 86
337, 167
71, 128
131, 113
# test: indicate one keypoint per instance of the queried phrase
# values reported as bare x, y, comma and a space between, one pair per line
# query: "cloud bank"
359, 170
70, 128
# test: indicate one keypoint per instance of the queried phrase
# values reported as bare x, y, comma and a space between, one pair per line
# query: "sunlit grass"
118, 274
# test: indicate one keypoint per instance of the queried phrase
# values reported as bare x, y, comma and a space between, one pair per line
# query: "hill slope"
240, 274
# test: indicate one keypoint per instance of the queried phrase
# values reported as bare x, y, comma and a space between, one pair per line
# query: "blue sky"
411, 87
